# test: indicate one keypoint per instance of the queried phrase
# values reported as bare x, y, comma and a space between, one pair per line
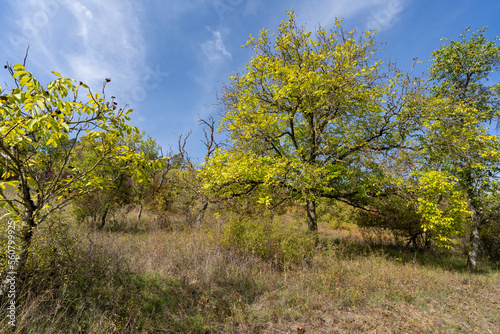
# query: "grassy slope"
183, 281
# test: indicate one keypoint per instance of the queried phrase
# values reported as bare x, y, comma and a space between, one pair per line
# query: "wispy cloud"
87, 40
214, 60
377, 14
214, 49
385, 15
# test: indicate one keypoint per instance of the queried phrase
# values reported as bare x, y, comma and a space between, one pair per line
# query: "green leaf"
40, 104
24, 80
18, 67
19, 73
65, 126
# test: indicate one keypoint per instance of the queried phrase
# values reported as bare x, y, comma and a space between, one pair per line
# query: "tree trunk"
27, 234
139, 214
103, 217
246, 206
476, 210
312, 220
29, 224
201, 212
17, 271
475, 238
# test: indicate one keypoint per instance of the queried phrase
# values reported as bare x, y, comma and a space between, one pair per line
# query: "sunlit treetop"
313, 113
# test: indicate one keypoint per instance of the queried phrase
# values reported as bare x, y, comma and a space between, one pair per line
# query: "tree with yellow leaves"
312, 116
458, 140
41, 131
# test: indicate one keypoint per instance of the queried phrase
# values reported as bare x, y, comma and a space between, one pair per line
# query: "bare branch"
26, 56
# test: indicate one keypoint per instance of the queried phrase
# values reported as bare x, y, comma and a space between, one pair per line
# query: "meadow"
162, 275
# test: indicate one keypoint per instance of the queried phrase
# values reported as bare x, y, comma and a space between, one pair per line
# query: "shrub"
396, 215
175, 198
95, 206
282, 244
490, 236
70, 283
336, 214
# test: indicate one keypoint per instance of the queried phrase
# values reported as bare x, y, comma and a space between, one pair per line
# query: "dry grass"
344, 290
183, 281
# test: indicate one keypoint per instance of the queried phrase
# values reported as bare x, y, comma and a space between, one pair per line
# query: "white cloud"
378, 14
214, 49
88, 40
214, 58
385, 15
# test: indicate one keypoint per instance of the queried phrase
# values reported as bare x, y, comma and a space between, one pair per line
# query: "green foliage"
428, 206
490, 231
163, 200
92, 206
460, 68
335, 214
283, 245
490, 237
312, 117
397, 214
40, 129
441, 206
126, 182
457, 143
174, 196
458, 136
54, 146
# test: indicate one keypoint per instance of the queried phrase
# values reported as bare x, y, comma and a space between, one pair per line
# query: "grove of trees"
314, 118
315, 115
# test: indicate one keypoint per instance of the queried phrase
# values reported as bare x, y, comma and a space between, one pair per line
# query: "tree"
129, 182
149, 176
458, 141
99, 202
193, 182
312, 117
40, 131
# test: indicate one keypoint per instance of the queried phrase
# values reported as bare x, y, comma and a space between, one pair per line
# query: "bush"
335, 214
282, 244
490, 236
70, 284
176, 198
95, 206
396, 215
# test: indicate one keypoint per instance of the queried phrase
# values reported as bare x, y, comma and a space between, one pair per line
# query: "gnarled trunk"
312, 220
103, 217
201, 212
15, 271
28, 220
475, 238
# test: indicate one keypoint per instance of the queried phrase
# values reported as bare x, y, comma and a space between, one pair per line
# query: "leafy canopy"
312, 116
44, 133
459, 151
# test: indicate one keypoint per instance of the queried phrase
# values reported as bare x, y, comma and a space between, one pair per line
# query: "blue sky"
167, 58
